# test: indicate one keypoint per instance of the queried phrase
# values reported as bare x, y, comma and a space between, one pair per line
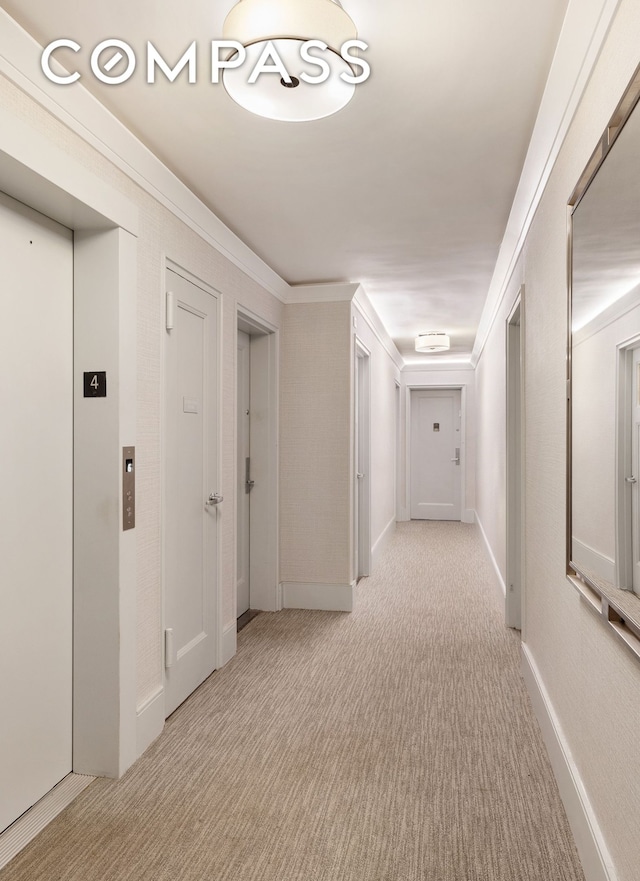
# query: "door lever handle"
214, 499
631, 479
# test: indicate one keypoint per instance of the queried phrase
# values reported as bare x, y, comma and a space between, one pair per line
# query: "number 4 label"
95, 384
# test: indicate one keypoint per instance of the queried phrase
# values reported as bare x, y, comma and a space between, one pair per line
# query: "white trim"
588, 558
265, 547
623, 523
514, 465
436, 365
44, 178
326, 292
324, 597
608, 316
229, 643
382, 542
584, 31
502, 588
31, 823
469, 516
150, 720
592, 849
368, 312
105, 267
362, 457
87, 117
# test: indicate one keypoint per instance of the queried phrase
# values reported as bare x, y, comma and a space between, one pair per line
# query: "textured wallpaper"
315, 460
592, 679
162, 235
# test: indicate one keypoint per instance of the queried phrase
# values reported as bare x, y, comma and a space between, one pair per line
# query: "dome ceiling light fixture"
432, 341
289, 25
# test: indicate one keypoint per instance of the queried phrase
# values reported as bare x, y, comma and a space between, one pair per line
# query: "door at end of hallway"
436, 454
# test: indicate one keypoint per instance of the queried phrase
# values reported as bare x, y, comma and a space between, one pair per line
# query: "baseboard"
500, 584
31, 823
469, 516
229, 644
588, 558
324, 597
149, 721
380, 545
594, 855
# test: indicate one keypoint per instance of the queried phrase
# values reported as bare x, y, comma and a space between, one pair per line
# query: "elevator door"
36, 506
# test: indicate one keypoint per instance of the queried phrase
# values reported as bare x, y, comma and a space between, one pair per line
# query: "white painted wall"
588, 681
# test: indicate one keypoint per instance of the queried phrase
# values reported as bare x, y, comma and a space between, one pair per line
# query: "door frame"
515, 483
623, 500
105, 225
174, 266
264, 554
466, 516
362, 454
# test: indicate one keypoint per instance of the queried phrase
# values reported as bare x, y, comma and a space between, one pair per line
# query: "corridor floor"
395, 743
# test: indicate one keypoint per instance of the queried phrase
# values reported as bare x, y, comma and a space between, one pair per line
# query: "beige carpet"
393, 744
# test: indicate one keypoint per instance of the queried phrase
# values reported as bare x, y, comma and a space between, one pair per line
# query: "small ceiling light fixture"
288, 25
433, 341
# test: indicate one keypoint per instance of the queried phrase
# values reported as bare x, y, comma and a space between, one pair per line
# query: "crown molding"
583, 34
438, 366
367, 310
81, 112
326, 292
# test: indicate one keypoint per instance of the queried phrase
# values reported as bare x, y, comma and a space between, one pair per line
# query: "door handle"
214, 499
456, 459
359, 475
631, 479
248, 483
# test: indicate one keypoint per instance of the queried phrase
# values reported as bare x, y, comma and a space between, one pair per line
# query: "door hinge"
170, 310
169, 650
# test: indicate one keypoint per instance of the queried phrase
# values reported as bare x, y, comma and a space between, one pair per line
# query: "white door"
513, 602
635, 475
191, 500
244, 470
36, 507
362, 491
435, 454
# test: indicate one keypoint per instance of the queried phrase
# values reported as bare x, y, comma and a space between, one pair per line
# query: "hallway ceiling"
407, 190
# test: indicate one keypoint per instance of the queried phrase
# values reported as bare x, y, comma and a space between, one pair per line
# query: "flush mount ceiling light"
288, 25
433, 341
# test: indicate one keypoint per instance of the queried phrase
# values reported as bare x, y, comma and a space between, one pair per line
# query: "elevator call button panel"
128, 487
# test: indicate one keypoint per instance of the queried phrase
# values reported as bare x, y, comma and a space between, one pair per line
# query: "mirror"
604, 499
